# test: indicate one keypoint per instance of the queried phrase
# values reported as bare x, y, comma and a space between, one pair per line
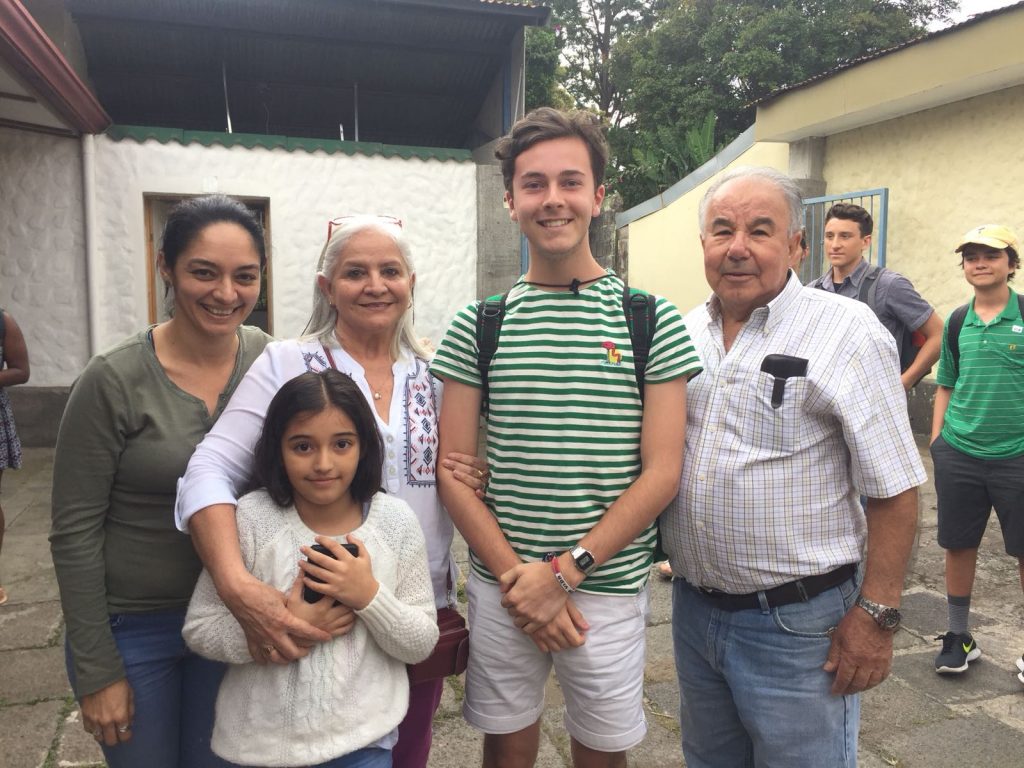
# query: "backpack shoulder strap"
489, 314
869, 287
639, 308
956, 322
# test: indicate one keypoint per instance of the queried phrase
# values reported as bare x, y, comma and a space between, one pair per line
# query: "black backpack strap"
639, 308
956, 322
869, 287
489, 314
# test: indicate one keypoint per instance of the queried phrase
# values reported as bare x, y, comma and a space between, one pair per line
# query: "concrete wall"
665, 256
498, 236
947, 169
436, 201
42, 251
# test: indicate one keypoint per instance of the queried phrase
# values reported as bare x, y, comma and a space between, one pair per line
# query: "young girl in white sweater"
318, 461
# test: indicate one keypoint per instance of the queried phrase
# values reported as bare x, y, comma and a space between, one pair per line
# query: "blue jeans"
752, 690
368, 757
174, 693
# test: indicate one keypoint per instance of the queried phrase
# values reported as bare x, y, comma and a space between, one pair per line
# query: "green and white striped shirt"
563, 434
985, 417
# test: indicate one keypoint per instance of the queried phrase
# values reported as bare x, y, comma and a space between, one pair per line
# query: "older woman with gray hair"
362, 325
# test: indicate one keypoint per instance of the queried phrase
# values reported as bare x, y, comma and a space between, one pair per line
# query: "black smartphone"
311, 595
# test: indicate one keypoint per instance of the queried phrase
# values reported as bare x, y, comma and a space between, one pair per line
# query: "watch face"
889, 618
584, 561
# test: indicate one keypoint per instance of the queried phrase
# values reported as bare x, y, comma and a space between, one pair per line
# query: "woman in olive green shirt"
132, 421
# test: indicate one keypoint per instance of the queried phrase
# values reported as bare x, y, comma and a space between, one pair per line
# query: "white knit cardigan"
347, 693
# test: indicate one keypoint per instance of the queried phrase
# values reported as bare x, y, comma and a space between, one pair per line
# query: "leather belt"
799, 591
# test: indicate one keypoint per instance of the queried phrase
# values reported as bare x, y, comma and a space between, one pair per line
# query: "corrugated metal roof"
142, 134
419, 70
885, 52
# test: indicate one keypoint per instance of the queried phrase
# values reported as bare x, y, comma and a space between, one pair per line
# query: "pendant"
376, 395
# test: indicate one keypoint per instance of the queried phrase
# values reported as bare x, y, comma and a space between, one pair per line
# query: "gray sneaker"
957, 651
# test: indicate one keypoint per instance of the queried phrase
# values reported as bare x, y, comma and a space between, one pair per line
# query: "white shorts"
602, 681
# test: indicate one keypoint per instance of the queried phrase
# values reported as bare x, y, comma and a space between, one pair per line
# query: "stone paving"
913, 720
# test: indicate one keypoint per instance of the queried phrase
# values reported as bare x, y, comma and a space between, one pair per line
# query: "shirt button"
701, 477
391, 470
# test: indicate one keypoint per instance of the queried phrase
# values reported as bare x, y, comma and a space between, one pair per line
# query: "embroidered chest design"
420, 427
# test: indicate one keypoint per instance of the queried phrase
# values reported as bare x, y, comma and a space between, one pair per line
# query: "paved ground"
914, 719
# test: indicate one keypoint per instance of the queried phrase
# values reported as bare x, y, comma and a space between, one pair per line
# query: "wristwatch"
885, 617
584, 560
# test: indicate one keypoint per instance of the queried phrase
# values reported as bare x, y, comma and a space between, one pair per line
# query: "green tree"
589, 31
719, 57
544, 73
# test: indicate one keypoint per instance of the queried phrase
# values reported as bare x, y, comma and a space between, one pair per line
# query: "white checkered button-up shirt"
771, 495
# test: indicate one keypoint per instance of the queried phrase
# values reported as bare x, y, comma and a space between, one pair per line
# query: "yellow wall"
947, 169
664, 248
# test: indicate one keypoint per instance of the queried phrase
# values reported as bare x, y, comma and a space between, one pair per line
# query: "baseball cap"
992, 235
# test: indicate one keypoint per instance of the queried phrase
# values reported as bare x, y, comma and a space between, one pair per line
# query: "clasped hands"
541, 608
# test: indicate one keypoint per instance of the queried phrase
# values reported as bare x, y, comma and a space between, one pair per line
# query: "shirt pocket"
776, 431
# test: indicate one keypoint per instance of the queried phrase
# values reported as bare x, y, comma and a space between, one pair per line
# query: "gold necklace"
376, 391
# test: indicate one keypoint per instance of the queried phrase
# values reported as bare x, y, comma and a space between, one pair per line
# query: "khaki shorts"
601, 681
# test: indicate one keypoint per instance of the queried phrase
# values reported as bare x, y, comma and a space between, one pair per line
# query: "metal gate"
876, 201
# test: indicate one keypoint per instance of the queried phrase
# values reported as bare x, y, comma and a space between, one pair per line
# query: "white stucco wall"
42, 251
42, 262
436, 201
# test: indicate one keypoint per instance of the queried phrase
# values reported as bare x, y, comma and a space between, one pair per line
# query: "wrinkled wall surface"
948, 169
42, 251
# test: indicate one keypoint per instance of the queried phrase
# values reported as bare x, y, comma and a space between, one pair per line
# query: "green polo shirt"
985, 417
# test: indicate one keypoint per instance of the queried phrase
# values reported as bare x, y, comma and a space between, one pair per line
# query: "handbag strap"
330, 357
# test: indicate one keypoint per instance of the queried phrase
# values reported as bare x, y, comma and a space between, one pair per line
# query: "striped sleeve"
456, 357
672, 351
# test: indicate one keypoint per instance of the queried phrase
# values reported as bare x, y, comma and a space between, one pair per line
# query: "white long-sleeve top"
220, 469
349, 692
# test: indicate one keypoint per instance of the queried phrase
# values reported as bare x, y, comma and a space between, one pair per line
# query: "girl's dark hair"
310, 393
190, 217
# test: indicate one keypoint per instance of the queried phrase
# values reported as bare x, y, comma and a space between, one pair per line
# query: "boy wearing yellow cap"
978, 429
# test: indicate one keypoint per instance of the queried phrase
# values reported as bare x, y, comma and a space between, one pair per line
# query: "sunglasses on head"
341, 220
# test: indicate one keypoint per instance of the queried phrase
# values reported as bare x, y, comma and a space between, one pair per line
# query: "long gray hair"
324, 319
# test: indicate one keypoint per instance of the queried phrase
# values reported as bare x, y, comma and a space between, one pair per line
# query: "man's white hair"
790, 192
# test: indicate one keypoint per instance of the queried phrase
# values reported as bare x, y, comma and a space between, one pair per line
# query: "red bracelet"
559, 577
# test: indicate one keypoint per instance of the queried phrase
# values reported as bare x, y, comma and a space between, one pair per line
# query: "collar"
1010, 313
769, 315
855, 278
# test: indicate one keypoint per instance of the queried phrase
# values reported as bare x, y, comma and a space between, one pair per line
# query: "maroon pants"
415, 731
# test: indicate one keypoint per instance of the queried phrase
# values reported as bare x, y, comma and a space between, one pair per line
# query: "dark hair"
1011, 254
310, 393
851, 212
544, 124
190, 217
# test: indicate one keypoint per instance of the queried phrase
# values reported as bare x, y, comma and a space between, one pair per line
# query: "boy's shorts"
601, 681
968, 488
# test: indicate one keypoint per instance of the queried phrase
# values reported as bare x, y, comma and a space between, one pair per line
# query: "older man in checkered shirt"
778, 624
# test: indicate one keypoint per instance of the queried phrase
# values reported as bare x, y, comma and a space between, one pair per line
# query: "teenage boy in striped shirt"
561, 546
978, 431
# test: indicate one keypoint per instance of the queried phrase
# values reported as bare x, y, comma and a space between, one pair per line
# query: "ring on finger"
268, 649
124, 728
97, 734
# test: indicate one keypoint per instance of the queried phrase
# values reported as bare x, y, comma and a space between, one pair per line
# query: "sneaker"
957, 651
1020, 666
